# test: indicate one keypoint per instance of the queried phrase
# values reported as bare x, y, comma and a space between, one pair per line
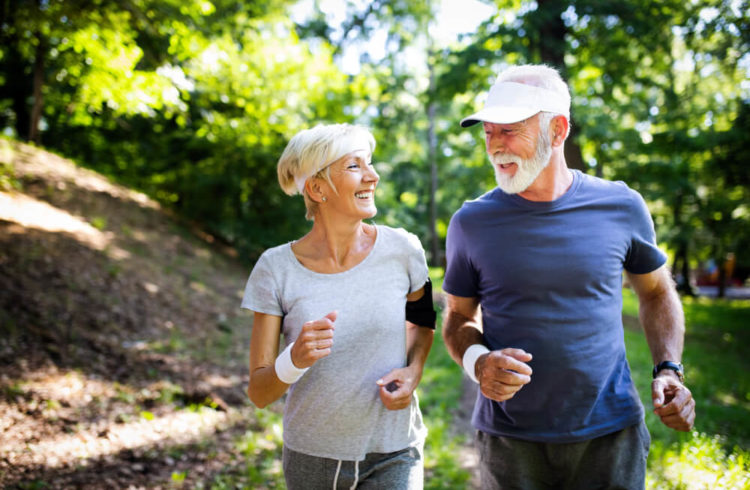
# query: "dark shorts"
614, 461
400, 470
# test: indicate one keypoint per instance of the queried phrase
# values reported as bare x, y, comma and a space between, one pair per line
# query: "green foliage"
439, 390
703, 462
192, 103
257, 459
715, 454
8, 178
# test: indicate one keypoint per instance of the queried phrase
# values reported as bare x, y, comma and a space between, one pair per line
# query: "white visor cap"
511, 102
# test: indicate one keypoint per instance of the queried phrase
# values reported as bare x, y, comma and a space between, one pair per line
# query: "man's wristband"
285, 368
470, 359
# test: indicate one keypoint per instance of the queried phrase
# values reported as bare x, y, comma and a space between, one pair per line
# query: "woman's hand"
314, 341
396, 387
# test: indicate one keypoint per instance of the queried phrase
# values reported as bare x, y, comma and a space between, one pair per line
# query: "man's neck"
552, 183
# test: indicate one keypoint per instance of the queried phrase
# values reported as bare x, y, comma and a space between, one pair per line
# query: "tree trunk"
432, 157
36, 109
551, 44
681, 262
722, 262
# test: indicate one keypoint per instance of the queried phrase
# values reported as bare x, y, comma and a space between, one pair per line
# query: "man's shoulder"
598, 183
487, 200
598, 187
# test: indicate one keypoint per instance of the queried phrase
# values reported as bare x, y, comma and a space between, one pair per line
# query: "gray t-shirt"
334, 410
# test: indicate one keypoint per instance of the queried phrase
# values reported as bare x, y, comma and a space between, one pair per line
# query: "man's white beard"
527, 169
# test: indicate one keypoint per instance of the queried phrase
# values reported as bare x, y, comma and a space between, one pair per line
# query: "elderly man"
543, 255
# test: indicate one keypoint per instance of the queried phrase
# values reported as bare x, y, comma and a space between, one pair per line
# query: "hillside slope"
122, 345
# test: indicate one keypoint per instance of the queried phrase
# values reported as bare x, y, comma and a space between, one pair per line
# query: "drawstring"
356, 475
336, 478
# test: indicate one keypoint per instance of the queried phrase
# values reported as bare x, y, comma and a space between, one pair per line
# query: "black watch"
674, 366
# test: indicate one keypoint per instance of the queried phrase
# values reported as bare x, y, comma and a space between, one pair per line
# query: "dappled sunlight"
60, 172
61, 420
72, 388
730, 399
698, 464
31, 213
174, 428
222, 381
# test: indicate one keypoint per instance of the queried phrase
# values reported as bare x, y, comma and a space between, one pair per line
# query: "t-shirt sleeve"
261, 293
460, 274
643, 255
417, 263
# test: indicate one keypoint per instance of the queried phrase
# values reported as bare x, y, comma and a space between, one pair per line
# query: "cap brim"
499, 115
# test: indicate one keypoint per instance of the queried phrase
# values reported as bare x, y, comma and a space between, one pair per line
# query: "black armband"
421, 312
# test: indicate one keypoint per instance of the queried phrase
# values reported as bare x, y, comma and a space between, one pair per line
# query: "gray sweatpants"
400, 470
613, 461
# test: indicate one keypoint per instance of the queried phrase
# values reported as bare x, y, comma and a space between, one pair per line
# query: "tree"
190, 102
644, 76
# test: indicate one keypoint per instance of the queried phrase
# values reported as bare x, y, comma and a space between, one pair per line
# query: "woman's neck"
334, 246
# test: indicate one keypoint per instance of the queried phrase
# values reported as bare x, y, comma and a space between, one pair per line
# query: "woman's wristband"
470, 359
285, 368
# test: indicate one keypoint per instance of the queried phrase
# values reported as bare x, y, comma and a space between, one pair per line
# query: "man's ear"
559, 128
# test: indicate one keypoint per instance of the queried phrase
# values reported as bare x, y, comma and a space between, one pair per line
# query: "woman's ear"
315, 190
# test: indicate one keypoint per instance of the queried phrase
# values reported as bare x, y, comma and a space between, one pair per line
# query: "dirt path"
122, 347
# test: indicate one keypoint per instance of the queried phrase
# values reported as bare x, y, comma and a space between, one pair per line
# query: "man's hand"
502, 373
673, 402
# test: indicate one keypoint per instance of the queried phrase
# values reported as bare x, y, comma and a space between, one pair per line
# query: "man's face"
518, 152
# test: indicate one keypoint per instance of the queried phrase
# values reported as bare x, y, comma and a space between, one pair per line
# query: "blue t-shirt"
548, 276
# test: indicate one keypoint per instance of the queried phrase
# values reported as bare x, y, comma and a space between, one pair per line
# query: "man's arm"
500, 373
462, 325
663, 321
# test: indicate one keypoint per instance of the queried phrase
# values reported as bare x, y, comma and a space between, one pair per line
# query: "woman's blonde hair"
311, 152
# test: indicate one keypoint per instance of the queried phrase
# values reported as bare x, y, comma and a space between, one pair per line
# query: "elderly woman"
354, 304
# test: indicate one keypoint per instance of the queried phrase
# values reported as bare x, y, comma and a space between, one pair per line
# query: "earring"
324, 199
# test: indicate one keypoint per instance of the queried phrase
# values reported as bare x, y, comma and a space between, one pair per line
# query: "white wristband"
285, 368
470, 359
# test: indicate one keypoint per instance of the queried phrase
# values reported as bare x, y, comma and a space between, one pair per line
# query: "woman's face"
355, 179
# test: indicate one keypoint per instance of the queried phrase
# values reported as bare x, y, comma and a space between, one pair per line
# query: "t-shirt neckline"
300, 265
520, 201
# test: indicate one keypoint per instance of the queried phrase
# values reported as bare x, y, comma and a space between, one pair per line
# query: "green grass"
256, 460
715, 454
439, 393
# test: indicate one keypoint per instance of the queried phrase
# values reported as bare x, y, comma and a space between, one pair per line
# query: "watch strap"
674, 366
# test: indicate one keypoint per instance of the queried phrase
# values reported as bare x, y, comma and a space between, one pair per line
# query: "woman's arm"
313, 343
396, 387
418, 339
265, 387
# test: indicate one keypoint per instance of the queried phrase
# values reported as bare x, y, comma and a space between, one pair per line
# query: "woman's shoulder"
399, 237
274, 254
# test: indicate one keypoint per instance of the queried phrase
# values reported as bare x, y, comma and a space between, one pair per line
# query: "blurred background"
138, 186
191, 102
